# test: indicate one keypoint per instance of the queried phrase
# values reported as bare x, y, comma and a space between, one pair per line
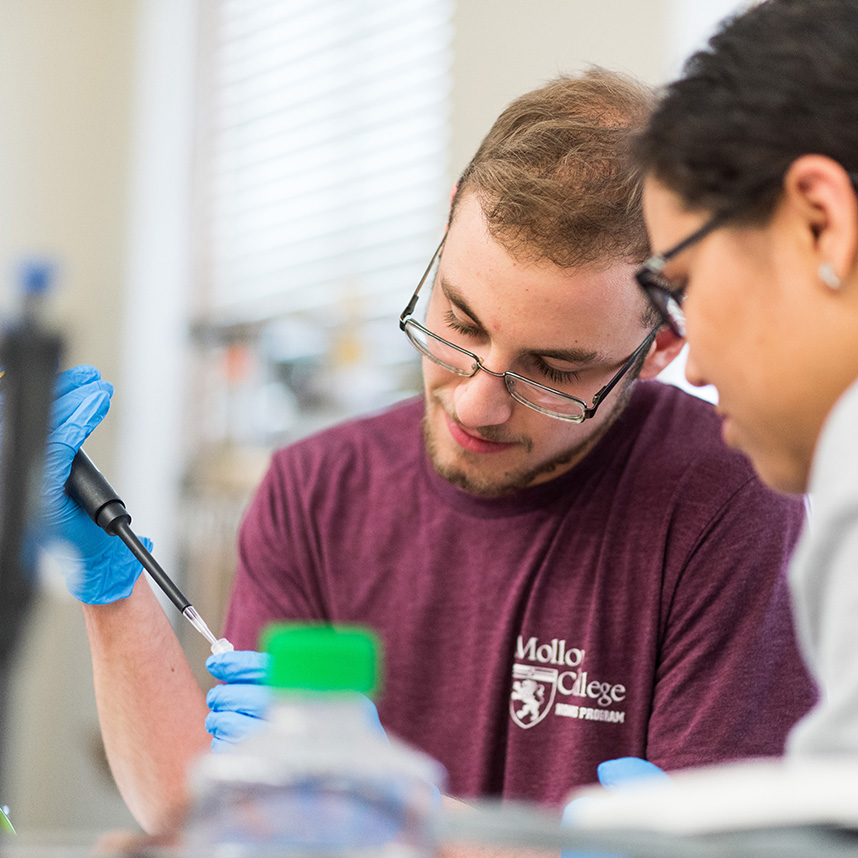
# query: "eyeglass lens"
464, 364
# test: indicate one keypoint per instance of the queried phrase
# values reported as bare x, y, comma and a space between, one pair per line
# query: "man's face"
543, 322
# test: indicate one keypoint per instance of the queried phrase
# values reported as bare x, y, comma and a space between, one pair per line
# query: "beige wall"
503, 49
65, 77
65, 80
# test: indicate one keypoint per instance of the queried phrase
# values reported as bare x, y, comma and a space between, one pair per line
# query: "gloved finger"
372, 715
573, 809
239, 666
615, 773
63, 444
243, 698
83, 415
74, 377
64, 406
220, 746
232, 727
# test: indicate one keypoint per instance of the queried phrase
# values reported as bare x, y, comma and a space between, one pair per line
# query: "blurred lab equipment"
321, 778
29, 356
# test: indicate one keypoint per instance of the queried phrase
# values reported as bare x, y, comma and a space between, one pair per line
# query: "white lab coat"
824, 583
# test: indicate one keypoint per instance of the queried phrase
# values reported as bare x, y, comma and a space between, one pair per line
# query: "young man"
564, 565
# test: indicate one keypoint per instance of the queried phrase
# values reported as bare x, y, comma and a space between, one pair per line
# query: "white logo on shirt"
530, 687
534, 687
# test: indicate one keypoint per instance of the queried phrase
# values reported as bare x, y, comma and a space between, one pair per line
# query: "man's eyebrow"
574, 355
455, 297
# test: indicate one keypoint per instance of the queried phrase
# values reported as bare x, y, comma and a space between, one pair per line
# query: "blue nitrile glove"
239, 708
98, 567
624, 770
613, 775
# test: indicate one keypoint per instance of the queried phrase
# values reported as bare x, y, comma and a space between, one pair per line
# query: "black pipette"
87, 486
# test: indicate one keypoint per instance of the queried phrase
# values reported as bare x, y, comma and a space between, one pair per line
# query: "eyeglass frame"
589, 410
657, 288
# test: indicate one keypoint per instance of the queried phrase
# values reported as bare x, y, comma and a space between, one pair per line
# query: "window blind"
327, 145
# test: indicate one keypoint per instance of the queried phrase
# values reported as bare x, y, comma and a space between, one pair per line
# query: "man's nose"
482, 400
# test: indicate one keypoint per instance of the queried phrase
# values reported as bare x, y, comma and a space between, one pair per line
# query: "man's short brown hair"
554, 176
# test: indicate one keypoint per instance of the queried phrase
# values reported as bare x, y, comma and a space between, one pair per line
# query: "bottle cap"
322, 658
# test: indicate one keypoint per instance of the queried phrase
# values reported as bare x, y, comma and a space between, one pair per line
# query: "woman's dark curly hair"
776, 82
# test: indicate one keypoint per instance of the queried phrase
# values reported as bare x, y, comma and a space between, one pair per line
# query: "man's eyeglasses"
562, 405
665, 296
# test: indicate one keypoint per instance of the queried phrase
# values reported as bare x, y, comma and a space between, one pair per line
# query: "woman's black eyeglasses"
665, 296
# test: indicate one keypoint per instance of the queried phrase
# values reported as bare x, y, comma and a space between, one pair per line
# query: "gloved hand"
239, 708
613, 775
624, 770
98, 567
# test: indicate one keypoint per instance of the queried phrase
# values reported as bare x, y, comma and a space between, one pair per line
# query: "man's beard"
513, 481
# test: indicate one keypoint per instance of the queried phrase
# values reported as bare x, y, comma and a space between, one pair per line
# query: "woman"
751, 165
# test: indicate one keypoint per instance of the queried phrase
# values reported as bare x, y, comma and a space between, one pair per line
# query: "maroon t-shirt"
635, 605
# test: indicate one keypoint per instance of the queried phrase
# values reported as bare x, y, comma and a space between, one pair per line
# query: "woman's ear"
665, 347
820, 198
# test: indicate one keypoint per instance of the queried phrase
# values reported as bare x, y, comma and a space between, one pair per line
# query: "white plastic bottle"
322, 779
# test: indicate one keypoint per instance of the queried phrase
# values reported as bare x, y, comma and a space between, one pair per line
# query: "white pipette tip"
221, 645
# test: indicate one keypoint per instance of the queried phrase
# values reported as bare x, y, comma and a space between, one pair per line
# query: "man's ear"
665, 347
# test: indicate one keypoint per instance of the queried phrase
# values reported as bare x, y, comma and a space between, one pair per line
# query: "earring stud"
828, 277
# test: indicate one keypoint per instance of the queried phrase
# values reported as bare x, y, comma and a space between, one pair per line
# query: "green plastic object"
320, 658
5, 825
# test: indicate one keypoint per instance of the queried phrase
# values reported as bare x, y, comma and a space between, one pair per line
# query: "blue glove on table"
98, 568
617, 773
239, 708
613, 774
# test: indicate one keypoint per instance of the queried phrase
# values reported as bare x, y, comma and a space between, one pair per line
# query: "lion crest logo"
533, 690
